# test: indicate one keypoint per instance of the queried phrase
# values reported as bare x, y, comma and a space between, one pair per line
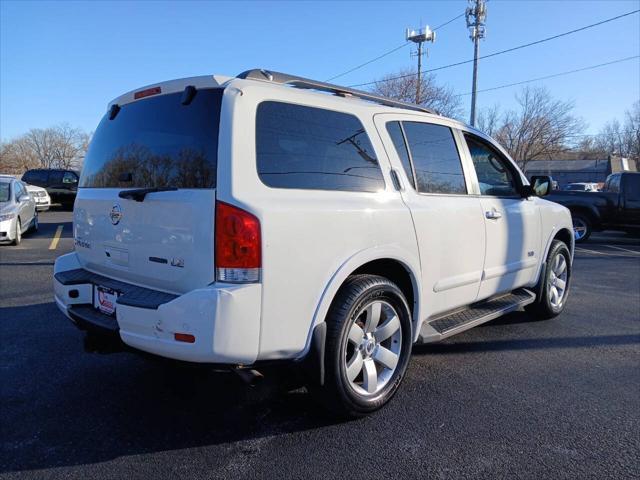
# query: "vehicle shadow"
511, 344
63, 407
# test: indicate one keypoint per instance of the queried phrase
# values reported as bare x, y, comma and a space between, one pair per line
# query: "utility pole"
476, 15
420, 36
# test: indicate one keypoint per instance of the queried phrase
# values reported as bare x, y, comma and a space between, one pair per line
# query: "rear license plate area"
104, 299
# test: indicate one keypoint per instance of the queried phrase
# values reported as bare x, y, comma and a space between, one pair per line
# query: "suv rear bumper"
223, 318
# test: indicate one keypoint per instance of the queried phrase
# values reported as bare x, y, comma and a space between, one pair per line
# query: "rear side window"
312, 148
36, 176
435, 158
397, 137
157, 142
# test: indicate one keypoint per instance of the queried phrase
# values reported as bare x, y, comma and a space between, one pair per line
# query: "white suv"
239, 221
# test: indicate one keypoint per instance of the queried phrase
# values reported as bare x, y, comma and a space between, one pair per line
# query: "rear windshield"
157, 142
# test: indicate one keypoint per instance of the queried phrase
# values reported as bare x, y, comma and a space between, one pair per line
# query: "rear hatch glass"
165, 241
157, 142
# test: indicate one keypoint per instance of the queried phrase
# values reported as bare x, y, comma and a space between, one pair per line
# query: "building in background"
580, 171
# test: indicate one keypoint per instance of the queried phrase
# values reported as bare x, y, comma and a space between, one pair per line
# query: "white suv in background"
267, 217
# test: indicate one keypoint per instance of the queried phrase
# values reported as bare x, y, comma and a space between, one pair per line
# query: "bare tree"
622, 138
489, 120
55, 147
540, 128
440, 98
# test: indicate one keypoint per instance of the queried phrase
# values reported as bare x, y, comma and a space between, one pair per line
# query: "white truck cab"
236, 221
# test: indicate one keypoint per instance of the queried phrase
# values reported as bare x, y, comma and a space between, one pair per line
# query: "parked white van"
239, 221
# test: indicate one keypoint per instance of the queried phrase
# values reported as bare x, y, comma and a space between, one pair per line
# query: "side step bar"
475, 314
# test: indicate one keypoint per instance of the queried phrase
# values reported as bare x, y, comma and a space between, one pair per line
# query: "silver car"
17, 211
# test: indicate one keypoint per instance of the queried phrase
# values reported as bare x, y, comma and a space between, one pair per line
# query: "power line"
448, 22
591, 67
387, 53
368, 62
505, 51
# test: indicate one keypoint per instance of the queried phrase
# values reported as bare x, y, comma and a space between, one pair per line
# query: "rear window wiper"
138, 194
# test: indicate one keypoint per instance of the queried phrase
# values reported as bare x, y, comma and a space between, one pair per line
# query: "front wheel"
18, 233
368, 346
556, 281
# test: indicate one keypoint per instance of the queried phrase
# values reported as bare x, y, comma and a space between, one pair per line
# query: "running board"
475, 314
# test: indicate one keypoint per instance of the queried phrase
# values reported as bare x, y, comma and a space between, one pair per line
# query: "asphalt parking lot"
515, 398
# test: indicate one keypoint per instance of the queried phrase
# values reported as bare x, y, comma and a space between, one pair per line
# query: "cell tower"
476, 16
420, 36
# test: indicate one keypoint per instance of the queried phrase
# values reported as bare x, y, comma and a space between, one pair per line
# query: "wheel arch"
588, 211
390, 262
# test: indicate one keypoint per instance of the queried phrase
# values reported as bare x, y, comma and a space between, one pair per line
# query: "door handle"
493, 214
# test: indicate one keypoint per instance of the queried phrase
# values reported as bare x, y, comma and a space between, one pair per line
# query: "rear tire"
582, 227
34, 223
368, 345
556, 283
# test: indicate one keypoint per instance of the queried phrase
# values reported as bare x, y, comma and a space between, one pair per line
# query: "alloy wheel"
373, 347
579, 228
557, 281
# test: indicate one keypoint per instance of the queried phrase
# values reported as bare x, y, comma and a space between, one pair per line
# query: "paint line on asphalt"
623, 249
56, 237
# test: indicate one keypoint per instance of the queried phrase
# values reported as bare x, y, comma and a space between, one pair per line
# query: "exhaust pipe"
249, 376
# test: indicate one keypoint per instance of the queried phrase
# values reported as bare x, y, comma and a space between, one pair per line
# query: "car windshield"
5, 191
157, 142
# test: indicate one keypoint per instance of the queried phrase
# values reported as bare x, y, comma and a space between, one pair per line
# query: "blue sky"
63, 61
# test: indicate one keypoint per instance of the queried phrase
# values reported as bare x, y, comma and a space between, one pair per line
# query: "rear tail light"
238, 245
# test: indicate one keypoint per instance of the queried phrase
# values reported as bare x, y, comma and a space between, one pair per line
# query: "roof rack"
300, 82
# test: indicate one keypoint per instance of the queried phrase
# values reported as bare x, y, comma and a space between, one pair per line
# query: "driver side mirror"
541, 185
24, 198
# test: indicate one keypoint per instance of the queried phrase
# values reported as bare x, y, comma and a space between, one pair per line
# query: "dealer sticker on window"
104, 299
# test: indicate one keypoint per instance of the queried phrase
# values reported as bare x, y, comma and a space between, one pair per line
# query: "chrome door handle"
493, 214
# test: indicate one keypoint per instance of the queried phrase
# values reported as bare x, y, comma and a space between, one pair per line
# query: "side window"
494, 174
69, 178
435, 158
312, 148
397, 137
17, 189
614, 184
55, 178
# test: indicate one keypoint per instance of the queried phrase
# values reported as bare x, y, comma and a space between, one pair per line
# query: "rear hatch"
144, 212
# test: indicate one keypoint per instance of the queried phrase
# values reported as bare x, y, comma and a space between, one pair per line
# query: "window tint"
395, 132
55, 178
312, 148
18, 190
614, 184
5, 191
36, 176
494, 176
69, 178
435, 158
157, 142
